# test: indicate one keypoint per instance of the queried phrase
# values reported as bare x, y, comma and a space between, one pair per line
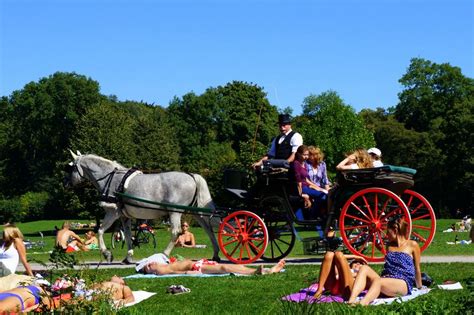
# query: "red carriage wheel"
364, 219
243, 237
422, 216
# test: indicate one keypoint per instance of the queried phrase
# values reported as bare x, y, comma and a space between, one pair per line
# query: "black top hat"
284, 119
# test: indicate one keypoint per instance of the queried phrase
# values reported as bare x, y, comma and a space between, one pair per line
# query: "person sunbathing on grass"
205, 266
22, 299
116, 287
337, 274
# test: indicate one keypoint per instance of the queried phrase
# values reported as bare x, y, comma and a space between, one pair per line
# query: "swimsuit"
399, 265
35, 291
188, 243
6, 295
198, 264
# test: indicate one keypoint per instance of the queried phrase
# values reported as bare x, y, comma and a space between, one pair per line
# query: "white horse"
173, 188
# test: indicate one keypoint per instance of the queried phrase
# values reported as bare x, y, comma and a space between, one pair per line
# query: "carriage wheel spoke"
235, 248
408, 203
421, 227
230, 242
356, 227
368, 207
416, 209
376, 202
248, 250
421, 238
229, 234
231, 227
360, 210
420, 217
282, 241
278, 247
251, 225
357, 218
256, 247
393, 212
239, 226
355, 238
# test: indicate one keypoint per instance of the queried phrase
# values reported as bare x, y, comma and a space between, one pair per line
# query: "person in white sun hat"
376, 156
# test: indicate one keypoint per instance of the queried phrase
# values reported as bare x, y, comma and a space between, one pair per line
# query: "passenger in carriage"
376, 156
360, 158
317, 169
305, 186
283, 146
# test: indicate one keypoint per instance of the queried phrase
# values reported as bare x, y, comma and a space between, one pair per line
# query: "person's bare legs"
327, 274
366, 277
230, 268
345, 281
393, 287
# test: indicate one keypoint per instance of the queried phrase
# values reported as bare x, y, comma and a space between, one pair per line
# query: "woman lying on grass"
401, 270
32, 297
206, 267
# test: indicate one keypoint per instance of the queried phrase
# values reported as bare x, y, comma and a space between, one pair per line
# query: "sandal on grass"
177, 289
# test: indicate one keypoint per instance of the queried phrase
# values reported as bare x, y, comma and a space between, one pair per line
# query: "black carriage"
363, 201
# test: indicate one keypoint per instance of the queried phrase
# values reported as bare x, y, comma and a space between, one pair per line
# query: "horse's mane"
103, 162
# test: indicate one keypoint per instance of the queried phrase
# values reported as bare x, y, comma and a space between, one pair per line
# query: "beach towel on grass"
307, 295
140, 296
201, 275
152, 276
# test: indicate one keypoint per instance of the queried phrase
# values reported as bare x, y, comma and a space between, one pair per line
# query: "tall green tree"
332, 125
42, 116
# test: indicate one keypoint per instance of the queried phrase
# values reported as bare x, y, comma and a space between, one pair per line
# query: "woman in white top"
12, 251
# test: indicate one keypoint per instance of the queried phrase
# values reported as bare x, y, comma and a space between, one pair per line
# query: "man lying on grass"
205, 266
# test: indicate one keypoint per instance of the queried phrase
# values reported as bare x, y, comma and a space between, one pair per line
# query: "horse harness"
106, 197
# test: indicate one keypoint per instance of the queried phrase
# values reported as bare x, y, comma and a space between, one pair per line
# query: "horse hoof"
108, 256
216, 259
127, 261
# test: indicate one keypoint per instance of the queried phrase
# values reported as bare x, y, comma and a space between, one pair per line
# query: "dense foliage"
226, 126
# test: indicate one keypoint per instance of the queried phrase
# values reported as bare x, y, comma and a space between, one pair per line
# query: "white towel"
140, 296
414, 293
452, 286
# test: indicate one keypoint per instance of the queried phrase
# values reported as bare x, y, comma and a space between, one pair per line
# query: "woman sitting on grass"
186, 239
401, 270
91, 241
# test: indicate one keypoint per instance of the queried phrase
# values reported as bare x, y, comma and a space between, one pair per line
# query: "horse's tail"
203, 197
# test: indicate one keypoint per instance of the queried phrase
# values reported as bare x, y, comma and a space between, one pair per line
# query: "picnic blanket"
307, 295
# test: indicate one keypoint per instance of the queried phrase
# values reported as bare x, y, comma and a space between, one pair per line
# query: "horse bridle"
109, 176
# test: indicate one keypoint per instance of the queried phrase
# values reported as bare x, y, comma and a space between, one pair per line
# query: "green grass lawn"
31, 229
261, 294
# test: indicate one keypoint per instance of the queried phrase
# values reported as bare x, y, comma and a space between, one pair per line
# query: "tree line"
230, 126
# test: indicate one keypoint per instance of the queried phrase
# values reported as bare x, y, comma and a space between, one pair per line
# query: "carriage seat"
394, 178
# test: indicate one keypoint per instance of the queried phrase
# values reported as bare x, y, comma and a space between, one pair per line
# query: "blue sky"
154, 50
